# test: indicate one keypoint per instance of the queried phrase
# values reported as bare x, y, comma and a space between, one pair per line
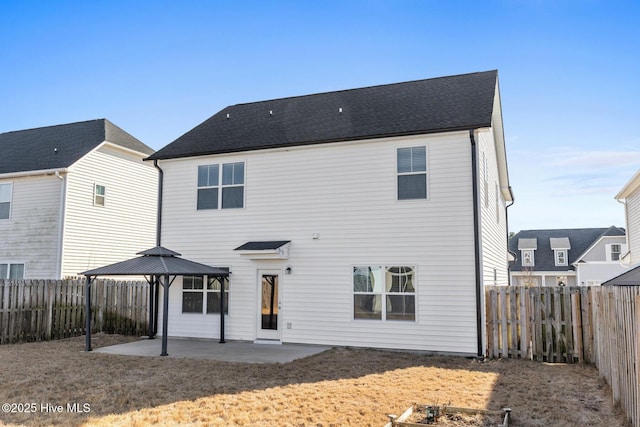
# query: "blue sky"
569, 74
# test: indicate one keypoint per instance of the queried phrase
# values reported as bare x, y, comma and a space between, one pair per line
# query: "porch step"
265, 341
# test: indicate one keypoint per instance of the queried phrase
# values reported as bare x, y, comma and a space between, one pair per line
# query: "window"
384, 293
99, 193
561, 257
616, 250
527, 258
412, 173
198, 299
5, 200
229, 195
11, 271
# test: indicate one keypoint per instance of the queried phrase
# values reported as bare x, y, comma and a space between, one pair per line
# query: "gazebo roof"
158, 261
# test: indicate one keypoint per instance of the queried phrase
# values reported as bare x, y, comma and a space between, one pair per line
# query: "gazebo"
158, 265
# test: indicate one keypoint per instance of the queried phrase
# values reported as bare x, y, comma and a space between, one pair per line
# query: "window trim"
557, 253
220, 186
384, 293
96, 195
9, 263
10, 201
425, 172
204, 291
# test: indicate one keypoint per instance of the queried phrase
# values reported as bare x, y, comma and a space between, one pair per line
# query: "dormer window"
560, 246
527, 247
561, 257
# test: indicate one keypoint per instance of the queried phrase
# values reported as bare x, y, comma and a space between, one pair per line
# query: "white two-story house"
365, 217
72, 197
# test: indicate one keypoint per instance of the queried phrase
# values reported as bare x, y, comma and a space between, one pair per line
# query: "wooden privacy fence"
36, 310
598, 324
549, 324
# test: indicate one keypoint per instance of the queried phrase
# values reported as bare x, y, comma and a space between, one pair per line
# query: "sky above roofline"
568, 75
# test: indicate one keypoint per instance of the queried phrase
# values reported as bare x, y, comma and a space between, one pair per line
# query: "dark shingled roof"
544, 259
417, 107
60, 146
628, 278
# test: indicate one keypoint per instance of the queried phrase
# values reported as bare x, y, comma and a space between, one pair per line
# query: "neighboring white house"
73, 197
584, 256
630, 196
365, 217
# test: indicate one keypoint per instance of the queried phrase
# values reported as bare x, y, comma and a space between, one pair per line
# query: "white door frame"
266, 333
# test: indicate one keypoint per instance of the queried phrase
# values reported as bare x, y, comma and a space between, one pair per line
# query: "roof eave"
629, 188
38, 172
318, 142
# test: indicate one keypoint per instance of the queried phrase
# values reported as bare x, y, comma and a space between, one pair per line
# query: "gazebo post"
87, 313
165, 316
152, 284
222, 283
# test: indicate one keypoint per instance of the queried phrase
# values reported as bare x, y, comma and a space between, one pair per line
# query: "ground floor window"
11, 271
201, 294
384, 293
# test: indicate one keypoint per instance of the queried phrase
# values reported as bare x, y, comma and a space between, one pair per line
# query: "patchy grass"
340, 387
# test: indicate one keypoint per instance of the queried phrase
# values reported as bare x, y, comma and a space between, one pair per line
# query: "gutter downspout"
159, 220
62, 213
506, 220
476, 240
154, 291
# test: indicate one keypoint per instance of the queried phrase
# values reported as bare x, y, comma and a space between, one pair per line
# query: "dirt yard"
59, 384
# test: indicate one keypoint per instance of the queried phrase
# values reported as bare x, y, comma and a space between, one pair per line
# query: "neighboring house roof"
577, 241
442, 104
60, 146
628, 278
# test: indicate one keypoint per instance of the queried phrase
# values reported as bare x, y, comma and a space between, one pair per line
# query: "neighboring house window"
99, 193
198, 299
11, 271
384, 293
212, 195
412, 173
5, 200
527, 258
616, 250
561, 257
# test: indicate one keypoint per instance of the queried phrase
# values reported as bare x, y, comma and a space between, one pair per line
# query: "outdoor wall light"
287, 270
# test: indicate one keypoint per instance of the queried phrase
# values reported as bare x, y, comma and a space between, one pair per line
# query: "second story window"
527, 258
99, 193
412, 173
5, 200
616, 250
221, 187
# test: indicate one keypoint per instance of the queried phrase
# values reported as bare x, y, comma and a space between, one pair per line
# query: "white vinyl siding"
633, 226
94, 236
345, 193
31, 235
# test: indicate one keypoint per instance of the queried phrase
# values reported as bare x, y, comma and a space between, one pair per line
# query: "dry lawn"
340, 387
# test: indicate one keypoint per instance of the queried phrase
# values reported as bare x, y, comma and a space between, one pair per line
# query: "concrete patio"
231, 351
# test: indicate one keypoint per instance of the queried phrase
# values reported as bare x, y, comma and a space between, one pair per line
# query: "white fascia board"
33, 173
629, 188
